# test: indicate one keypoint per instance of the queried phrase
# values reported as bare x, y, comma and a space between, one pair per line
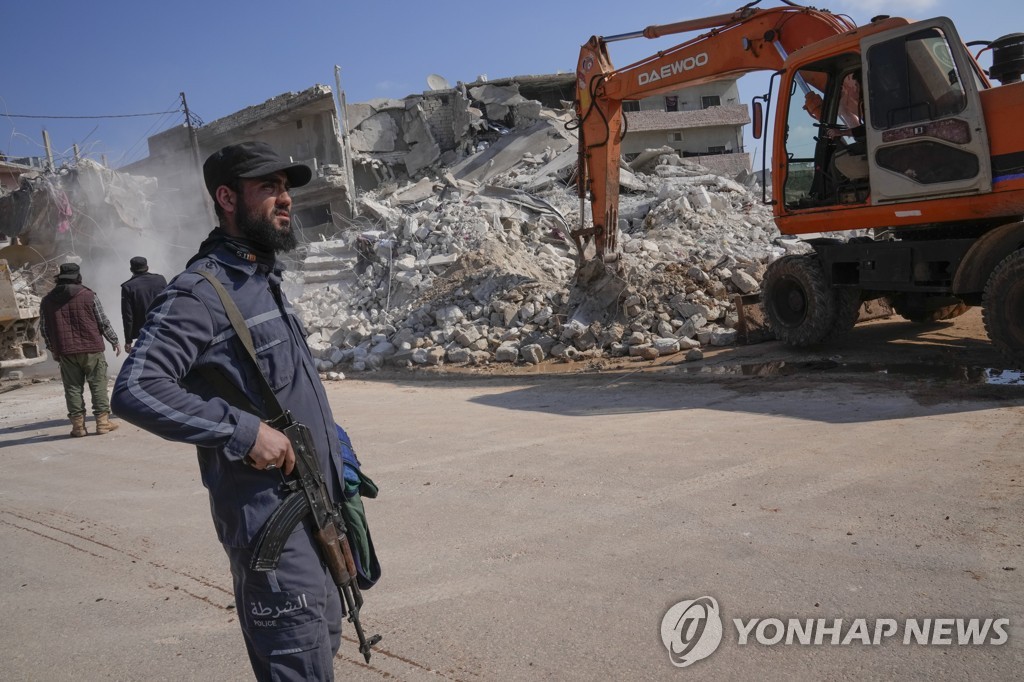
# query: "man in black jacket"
136, 295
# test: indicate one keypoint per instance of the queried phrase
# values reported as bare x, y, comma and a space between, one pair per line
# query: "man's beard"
261, 229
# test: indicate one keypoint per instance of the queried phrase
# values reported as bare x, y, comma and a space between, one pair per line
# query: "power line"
156, 124
156, 113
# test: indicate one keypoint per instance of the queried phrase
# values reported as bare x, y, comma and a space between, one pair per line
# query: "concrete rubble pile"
472, 264
24, 282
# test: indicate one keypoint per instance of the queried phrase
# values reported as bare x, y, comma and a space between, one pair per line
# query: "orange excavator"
892, 129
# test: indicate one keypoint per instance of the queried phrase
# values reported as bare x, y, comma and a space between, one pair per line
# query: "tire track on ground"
105, 551
95, 547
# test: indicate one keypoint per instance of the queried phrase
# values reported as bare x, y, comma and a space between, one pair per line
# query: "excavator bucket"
752, 324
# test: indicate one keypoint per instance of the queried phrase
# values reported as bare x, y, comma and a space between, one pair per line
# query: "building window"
672, 103
716, 150
710, 101
631, 105
298, 124
675, 137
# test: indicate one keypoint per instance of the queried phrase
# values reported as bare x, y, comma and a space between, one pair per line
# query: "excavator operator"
851, 160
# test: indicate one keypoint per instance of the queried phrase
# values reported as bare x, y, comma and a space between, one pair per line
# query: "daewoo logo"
691, 630
687, 64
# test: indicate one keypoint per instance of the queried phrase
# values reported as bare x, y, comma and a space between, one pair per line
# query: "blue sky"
107, 57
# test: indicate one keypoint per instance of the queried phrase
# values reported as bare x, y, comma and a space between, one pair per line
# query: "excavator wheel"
847, 310
800, 307
921, 313
1003, 307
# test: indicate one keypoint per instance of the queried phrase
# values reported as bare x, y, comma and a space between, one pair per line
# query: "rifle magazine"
266, 552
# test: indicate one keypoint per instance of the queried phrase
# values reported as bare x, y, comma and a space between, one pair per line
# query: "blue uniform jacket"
163, 386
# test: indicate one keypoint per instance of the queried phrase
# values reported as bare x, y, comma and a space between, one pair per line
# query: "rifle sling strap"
242, 330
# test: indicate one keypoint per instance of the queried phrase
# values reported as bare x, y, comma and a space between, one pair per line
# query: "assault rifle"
308, 495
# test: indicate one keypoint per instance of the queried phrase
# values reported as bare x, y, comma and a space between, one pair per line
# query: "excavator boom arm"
747, 40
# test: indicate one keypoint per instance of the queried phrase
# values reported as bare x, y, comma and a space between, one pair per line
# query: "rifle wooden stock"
310, 497
339, 561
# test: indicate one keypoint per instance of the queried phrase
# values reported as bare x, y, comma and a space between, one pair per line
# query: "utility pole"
197, 168
49, 151
346, 144
193, 142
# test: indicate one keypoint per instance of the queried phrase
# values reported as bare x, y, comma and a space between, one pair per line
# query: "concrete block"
532, 353
507, 352
744, 282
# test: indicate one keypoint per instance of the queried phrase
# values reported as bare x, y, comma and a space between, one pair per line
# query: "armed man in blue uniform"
189, 378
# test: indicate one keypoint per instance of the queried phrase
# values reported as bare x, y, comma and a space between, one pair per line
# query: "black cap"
138, 264
69, 272
250, 160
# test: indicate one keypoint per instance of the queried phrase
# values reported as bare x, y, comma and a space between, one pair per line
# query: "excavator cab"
909, 95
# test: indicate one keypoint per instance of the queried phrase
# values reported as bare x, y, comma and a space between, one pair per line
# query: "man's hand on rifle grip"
272, 450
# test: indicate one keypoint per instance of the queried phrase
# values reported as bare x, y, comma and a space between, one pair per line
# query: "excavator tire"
847, 310
800, 307
1003, 308
920, 314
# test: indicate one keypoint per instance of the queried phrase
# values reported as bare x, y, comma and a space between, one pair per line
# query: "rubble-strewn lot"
474, 264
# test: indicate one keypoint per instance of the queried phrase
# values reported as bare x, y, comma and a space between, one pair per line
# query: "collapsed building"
75, 210
475, 266
462, 252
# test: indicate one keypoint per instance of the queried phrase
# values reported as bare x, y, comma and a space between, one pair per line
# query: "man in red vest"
73, 325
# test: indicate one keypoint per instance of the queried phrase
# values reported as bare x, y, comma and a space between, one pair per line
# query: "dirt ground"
538, 523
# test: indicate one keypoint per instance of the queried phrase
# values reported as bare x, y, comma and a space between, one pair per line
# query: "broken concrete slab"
423, 148
508, 151
498, 100
415, 193
377, 133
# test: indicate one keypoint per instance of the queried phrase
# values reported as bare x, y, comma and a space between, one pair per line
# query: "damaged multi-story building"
389, 141
383, 141
392, 138
704, 122
302, 125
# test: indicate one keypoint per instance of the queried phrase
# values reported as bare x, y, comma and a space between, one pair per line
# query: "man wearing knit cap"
136, 296
73, 326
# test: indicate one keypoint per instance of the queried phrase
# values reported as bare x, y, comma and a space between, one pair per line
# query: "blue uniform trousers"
291, 616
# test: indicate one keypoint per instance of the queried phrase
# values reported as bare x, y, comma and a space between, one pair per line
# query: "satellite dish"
436, 82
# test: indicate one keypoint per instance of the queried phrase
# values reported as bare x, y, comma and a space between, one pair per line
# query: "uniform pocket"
280, 624
288, 640
270, 339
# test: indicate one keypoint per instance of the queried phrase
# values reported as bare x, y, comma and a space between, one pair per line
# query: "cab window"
913, 79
